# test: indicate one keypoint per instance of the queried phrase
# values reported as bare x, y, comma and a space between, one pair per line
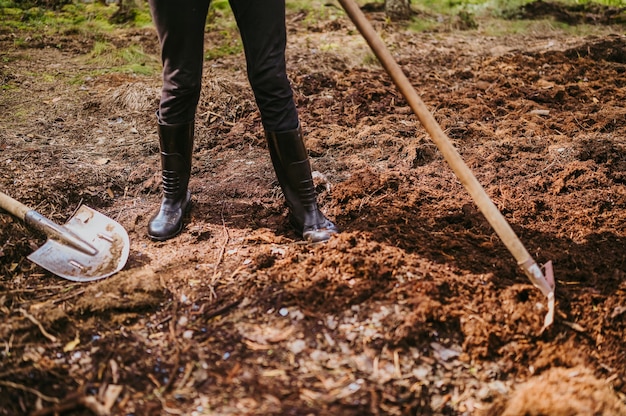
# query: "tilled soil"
416, 307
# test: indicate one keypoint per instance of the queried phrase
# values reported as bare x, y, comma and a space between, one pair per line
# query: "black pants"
180, 25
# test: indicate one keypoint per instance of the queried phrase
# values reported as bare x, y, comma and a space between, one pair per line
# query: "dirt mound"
562, 392
588, 13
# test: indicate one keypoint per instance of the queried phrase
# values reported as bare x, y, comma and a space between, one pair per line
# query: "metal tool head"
108, 238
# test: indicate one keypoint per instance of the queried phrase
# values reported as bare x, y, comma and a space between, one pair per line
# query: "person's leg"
262, 28
180, 27
264, 37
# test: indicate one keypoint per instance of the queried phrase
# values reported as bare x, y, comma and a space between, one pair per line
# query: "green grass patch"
315, 10
131, 59
222, 30
88, 19
616, 3
37, 19
228, 43
220, 16
493, 17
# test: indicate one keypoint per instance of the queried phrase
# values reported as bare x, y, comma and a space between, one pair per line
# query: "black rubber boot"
176, 149
293, 170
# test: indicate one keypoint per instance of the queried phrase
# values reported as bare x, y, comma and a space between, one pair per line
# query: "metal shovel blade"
108, 242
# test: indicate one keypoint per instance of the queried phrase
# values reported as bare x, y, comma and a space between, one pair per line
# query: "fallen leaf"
70, 346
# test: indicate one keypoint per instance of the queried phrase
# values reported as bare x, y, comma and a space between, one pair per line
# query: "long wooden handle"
465, 175
46, 226
12, 206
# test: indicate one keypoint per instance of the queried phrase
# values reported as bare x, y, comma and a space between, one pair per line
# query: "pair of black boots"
291, 164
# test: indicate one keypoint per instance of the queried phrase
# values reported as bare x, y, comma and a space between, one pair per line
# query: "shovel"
462, 171
90, 246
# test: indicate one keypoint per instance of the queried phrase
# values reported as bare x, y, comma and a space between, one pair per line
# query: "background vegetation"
40, 23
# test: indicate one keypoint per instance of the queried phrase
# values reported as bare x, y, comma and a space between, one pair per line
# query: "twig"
575, 326
174, 340
237, 271
223, 248
216, 274
188, 370
75, 401
39, 325
211, 113
7, 345
164, 320
14, 291
554, 161
80, 203
220, 311
172, 326
172, 375
166, 408
69, 296
29, 390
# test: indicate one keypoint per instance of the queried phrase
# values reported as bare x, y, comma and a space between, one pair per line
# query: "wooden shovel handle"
465, 175
12, 206
37, 221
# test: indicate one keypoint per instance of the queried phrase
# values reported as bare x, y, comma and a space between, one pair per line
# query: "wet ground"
416, 307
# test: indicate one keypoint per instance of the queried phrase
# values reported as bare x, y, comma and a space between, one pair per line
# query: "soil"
416, 307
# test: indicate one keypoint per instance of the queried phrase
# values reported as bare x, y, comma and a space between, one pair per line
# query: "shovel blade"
108, 237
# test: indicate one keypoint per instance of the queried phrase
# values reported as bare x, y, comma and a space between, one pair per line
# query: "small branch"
72, 402
29, 390
222, 249
223, 309
39, 289
216, 274
214, 114
69, 296
39, 325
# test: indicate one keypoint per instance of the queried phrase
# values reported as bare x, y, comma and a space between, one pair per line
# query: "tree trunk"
398, 9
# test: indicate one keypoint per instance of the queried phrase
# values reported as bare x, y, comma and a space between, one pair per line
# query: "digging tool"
89, 246
465, 175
